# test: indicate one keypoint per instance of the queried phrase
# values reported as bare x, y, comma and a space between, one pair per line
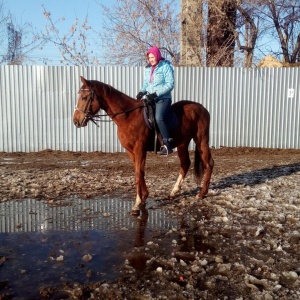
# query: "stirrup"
164, 150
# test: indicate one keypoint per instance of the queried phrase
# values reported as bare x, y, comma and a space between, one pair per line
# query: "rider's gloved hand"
140, 95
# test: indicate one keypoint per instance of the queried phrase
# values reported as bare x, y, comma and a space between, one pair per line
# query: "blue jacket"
163, 80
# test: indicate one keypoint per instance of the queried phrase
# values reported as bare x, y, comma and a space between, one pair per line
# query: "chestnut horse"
135, 136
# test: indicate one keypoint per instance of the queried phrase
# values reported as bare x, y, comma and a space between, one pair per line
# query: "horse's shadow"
256, 176
250, 178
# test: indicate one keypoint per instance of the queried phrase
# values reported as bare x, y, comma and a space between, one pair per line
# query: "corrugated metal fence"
248, 107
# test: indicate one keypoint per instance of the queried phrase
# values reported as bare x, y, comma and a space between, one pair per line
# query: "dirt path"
241, 242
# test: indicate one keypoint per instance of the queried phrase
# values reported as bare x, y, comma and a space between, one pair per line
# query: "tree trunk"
221, 33
191, 33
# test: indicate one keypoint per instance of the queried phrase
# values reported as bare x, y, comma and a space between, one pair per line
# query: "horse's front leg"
139, 161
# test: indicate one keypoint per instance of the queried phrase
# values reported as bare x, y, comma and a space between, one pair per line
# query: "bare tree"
3, 33
285, 16
255, 19
132, 26
247, 29
259, 18
72, 45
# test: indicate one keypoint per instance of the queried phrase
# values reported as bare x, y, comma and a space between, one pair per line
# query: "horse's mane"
110, 91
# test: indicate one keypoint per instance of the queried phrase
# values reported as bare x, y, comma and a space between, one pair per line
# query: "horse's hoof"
135, 212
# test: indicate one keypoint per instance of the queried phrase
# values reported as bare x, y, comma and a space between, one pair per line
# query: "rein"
97, 118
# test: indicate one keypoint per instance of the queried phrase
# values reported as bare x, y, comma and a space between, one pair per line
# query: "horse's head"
87, 104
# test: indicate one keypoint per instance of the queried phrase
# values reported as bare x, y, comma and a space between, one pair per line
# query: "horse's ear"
83, 80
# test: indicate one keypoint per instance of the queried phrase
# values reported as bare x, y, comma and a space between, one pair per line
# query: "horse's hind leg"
185, 163
207, 165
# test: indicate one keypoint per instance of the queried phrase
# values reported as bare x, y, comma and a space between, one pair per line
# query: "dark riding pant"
162, 112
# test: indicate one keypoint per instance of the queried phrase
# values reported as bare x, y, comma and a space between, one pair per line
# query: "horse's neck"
115, 101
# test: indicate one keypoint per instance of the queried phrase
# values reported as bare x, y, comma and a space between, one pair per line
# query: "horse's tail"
198, 167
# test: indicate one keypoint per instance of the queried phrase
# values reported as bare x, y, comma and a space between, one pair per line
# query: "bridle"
87, 110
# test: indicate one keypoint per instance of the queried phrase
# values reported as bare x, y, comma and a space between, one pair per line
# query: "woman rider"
158, 84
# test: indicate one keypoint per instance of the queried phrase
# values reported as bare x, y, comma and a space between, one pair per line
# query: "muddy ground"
241, 242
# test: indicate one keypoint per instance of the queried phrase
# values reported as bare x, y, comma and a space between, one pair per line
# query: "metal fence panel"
249, 107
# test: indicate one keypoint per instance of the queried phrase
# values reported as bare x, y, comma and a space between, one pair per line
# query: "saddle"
149, 113
149, 118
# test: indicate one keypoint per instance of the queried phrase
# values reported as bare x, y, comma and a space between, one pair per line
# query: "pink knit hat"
156, 52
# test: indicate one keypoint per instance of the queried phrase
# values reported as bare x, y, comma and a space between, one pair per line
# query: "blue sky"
31, 11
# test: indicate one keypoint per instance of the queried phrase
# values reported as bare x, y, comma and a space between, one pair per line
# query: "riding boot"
167, 148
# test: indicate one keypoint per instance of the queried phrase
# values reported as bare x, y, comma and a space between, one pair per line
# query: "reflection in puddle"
76, 240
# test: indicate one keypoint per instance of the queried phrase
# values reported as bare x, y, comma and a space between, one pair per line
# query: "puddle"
43, 243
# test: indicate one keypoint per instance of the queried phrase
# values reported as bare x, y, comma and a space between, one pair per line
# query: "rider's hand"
140, 95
